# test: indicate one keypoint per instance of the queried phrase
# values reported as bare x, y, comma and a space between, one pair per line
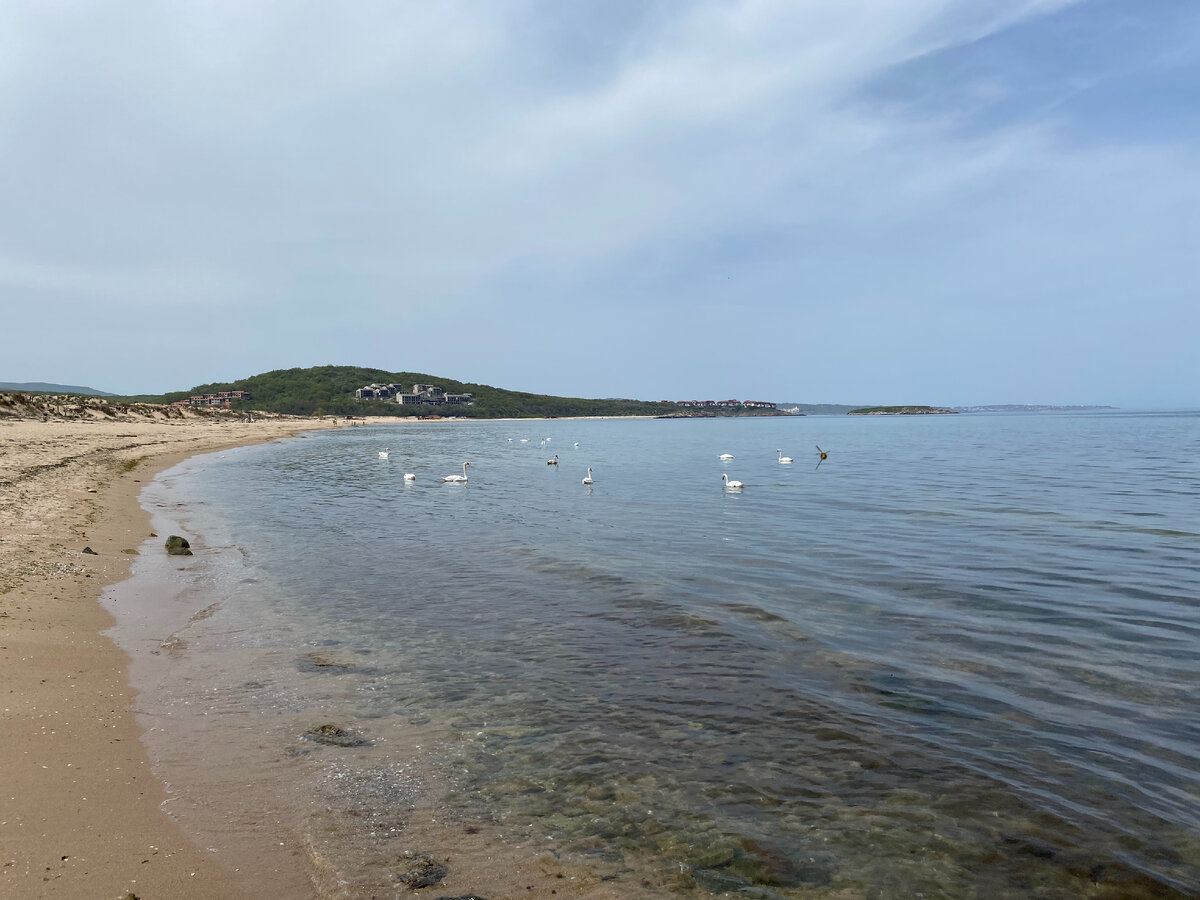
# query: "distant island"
901, 411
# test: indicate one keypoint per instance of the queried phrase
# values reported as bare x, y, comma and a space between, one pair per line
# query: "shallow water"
961, 658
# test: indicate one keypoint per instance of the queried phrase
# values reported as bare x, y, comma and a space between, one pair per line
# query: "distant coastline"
43, 387
339, 391
1029, 407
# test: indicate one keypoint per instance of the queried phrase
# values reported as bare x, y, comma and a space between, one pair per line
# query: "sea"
954, 656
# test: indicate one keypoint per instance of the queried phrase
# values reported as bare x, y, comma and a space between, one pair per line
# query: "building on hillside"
758, 404
421, 394
377, 392
429, 394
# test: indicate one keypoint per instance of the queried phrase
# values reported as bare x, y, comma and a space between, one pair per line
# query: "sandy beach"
80, 810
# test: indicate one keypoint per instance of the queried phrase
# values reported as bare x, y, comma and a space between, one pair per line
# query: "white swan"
783, 459
458, 479
725, 456
383, 454
588, 478
553, 462
733, 485
409, 476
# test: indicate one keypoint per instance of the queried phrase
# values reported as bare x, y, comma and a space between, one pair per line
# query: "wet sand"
80, 810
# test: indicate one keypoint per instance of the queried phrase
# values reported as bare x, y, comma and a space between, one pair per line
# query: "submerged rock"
320, 662
178, 546
716, 881
336, 736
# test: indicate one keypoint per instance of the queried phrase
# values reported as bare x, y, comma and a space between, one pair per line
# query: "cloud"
144, 289
363, 172
218, 124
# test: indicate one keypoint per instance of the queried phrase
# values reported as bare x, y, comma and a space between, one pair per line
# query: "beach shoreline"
84, 808
80, 811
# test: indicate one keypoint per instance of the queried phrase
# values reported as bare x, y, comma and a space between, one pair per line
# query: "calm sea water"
960, 658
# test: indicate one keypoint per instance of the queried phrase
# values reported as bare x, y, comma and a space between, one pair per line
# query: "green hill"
329, 390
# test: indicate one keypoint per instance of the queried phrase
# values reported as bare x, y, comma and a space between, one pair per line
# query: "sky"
949, 202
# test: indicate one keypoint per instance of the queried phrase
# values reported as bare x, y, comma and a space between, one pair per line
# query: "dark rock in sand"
89, 551
421, 871
178, 546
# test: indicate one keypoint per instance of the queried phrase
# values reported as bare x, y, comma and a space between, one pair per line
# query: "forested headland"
329, 390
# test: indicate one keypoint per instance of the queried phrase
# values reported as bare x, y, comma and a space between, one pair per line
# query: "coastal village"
433, 395
723, 404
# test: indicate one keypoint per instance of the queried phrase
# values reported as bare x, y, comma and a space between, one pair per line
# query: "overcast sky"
885, 201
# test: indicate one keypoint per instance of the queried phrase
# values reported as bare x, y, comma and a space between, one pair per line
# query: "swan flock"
730, 484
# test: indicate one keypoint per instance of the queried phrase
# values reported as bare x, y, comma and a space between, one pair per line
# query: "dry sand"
79, 807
